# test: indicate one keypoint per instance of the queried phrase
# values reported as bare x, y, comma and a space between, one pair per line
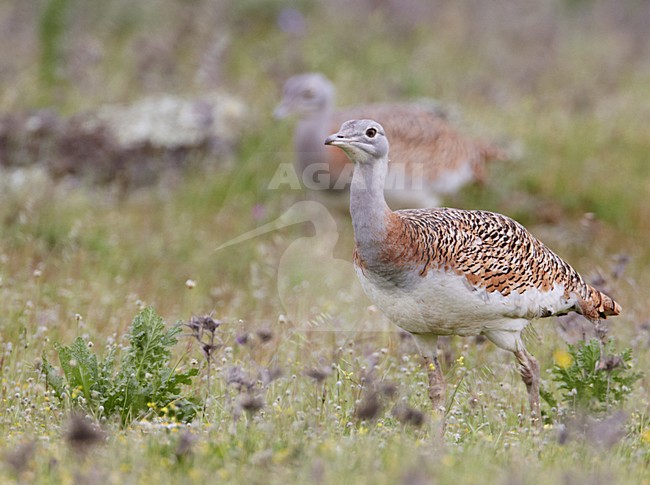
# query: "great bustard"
455, 272
433, 158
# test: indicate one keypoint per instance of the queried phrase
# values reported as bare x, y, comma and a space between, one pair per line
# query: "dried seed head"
204, 329
19, 458
82, 434
264, 334
193, 325
184, 445
409, 415
368, 408
242, 338
251, 404
611, 362
319, 375
208, 349
205, 323
239, 379
389, 389
269, 375
601, 433
416, 476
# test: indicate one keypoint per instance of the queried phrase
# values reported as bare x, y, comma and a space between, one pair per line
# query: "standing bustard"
434, 159
455, 272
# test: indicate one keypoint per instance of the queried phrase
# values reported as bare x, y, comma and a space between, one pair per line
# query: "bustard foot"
529, 371
437, 384
428, 345
437, 394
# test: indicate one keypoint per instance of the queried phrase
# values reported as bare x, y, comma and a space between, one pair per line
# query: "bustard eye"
371, 132
309, 94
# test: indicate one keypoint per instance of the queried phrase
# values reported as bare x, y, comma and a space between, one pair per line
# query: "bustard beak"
281, 111
336, 140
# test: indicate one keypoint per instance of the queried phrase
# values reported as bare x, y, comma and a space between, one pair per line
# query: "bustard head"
364, 141
304, 95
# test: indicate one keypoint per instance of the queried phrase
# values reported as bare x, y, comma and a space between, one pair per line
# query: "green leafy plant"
590, 380
146, 382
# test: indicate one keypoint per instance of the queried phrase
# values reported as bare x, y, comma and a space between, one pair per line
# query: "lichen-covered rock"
170, 122
131, 144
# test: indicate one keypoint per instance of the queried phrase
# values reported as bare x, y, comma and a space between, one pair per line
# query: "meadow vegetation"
86, 270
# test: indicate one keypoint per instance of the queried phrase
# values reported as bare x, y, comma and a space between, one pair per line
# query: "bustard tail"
599, 305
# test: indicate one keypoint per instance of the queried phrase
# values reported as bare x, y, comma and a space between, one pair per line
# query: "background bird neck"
310, 137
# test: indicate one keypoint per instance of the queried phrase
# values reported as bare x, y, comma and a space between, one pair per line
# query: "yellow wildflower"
562, 358
281, 455
645, 436
447, 460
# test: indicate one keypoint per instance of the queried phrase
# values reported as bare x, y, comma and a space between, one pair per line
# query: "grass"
79, 260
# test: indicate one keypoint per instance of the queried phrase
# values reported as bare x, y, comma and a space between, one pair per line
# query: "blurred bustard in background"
430, 158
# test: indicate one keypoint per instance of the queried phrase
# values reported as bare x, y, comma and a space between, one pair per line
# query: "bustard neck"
368, 206
309, 135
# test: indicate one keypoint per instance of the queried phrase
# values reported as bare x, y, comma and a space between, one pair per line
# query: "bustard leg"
428, 346
528, 366
529, 371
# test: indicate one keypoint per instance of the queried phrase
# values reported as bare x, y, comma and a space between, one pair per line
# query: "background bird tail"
503, 149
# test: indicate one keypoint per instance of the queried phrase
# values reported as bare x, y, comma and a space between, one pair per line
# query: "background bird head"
305, 95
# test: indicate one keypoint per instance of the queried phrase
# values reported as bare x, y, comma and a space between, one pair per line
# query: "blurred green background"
567, 81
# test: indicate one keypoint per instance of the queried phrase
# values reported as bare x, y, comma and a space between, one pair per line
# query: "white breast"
444, 303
